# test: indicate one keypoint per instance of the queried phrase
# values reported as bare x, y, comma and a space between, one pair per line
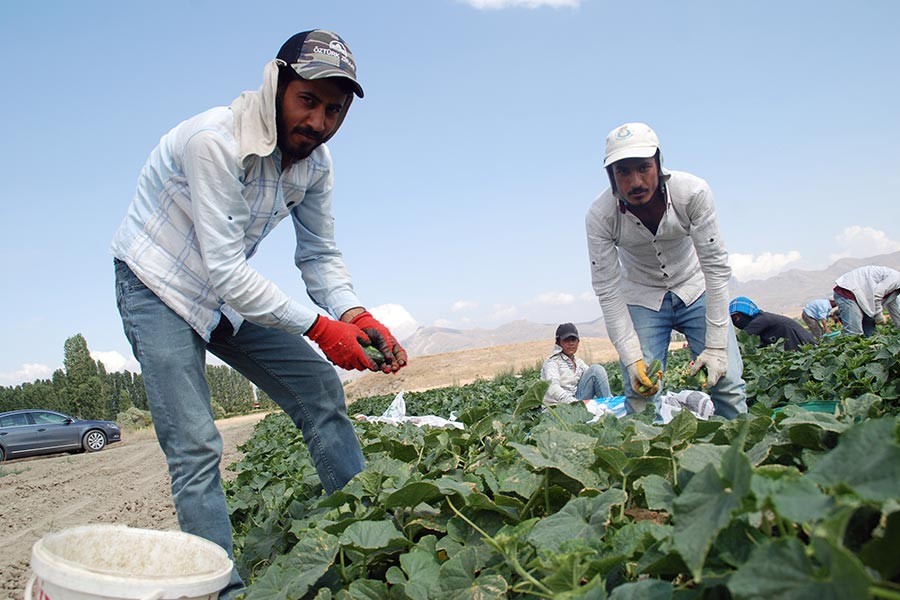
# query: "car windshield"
13, 420
46, 417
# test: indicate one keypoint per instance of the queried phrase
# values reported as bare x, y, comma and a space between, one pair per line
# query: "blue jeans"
173, 364
593, 384
855, 321
654, 330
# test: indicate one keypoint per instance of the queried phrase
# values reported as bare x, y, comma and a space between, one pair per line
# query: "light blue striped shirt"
199, 214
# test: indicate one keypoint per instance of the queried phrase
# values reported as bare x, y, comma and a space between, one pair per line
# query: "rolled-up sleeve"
220, 215
713, 259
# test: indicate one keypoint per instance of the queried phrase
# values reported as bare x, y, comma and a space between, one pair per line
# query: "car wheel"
94, 441
2, 454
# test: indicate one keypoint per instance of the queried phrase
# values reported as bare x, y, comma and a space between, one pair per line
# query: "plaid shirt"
200, 213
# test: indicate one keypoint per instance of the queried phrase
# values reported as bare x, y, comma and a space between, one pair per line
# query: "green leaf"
708, 503
459, 581
569, 452
648, 465
695, 458
413, 494
658, 492
648, 589
781, 570
581, 518
679, 430
866, 460
612, 460
421, 571
368, 589
372, 535
881, 553
533, 398
791, 495
291, 575
518, 479
805, 428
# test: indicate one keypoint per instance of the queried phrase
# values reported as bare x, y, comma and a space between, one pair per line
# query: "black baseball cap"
318, 54
566, 330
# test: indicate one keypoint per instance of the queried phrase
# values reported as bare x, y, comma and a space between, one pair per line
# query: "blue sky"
463, 176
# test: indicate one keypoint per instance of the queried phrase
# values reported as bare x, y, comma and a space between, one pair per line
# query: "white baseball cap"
631, 140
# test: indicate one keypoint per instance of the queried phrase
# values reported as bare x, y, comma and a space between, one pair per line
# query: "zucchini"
375, 354
654, 372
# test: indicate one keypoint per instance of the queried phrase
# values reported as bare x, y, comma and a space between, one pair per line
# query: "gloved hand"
342, 343
637, 373
383, 339
716, 362
879, 317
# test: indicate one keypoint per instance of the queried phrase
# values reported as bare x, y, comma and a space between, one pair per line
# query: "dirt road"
126, 483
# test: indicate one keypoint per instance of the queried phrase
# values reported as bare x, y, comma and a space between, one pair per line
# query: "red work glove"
383, 339
342, 343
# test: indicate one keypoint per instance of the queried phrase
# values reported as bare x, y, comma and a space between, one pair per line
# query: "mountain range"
786, 293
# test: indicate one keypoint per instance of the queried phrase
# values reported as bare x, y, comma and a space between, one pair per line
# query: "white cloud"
503, 312
26, 373
397, 319
501, 4
862, 242
443, 323
461, 305
114, 361
751, 266
554, 298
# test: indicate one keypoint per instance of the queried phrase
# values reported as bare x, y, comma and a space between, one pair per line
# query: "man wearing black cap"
212, 189
571, 379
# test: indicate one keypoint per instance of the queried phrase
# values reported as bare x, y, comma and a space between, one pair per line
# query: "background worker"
769, 327
658, 264
863, 294
212, 189
816, 314
571, 379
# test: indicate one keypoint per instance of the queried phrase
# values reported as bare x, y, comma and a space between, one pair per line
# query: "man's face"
569, 346
308, 113
637, 179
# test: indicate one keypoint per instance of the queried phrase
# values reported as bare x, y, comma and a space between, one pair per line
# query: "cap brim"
320, 72
630, 152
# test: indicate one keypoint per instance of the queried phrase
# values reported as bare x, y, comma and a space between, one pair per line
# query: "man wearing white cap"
658, 264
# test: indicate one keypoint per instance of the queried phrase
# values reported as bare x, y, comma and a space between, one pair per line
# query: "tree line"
84, 389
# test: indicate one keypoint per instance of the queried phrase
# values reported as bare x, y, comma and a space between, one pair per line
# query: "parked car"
30, 432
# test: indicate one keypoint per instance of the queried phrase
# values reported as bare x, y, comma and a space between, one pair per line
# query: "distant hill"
438, 340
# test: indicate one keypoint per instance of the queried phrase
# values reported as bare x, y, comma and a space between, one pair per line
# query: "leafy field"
524, 503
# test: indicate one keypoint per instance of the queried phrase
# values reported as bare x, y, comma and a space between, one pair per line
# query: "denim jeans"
654, 330
855, 321
173, 364
593, 384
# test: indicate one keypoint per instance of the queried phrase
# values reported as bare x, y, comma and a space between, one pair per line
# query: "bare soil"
127, 483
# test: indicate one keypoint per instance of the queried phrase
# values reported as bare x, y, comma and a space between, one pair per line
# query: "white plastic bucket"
117, 562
